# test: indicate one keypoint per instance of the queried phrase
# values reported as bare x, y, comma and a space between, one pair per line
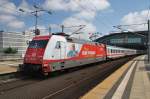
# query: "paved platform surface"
131, 81
141, 83
9, 66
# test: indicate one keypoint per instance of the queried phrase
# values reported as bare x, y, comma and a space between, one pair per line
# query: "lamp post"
35, 13
148, 41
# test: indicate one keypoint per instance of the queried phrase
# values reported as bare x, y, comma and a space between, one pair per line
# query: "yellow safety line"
103, 88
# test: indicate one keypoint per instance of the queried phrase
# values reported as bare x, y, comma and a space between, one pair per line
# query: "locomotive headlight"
45, 65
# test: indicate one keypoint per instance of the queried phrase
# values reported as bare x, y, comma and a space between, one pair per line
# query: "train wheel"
46, 74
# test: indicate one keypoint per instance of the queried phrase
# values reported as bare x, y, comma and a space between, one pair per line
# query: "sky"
97, 15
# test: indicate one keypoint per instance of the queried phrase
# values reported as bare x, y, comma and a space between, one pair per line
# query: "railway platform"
131, 81
9, 66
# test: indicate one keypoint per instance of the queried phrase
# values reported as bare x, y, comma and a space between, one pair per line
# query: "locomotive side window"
111, 51
58, 45
38, 44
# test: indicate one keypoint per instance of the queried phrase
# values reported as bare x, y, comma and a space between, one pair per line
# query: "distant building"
15, 40
134, 40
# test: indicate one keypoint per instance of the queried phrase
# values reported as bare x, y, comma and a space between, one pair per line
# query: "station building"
16, 40
134, 40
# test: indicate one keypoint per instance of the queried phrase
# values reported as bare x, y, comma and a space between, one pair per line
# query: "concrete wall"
1, 41
14, 40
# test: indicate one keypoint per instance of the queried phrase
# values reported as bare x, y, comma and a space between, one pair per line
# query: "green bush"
10, 50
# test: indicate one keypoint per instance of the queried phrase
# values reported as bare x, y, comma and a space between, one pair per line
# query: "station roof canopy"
134, 40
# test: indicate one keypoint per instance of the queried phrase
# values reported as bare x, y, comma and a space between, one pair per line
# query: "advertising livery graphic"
72, 51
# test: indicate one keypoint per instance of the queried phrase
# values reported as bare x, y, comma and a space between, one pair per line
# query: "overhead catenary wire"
4, 6
89, 11
108, 20
35, 13
27, 12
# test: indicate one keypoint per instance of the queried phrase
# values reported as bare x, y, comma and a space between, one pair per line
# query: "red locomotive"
56, 52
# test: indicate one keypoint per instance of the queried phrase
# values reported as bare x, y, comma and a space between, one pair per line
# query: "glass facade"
126, 39
15, 40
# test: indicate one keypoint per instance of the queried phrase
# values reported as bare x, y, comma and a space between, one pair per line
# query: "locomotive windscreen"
38, 44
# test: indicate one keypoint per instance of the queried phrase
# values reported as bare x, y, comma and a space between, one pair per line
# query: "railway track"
14, 80
68, 86
87, 79
7, 76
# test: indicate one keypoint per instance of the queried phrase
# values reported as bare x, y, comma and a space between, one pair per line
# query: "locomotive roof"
69, 39
72, 39
46, 37
76, 40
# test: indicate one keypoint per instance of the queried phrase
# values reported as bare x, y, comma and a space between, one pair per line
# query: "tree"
10, 50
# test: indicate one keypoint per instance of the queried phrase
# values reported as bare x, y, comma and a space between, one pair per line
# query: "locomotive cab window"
38, 44
58, 45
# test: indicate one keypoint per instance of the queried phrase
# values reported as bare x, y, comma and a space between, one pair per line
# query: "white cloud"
26, 7
83, 11
16, 24
136, 18
90, 15
8, 15
76, 5
55, 5
7, 7
11, 21
6, 18
73, 21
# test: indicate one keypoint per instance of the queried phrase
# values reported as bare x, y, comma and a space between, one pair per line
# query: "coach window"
58, 45
111, 51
